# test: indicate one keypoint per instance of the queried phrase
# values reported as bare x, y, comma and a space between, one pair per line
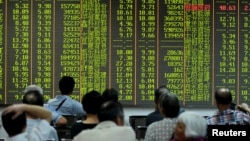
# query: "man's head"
33, 88
169, 105
33, 98
92, 102
66, 85
13, 126
110, 94
158, 92
223, 96
111, 111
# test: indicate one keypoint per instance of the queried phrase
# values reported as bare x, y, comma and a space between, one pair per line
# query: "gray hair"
33, 88
195, 124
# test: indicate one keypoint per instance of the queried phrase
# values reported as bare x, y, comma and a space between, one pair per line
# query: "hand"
18, 109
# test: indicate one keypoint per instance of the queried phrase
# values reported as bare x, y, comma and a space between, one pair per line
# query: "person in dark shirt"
156, 115
91, 102
110, 94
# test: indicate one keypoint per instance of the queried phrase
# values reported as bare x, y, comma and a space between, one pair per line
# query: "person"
57, 119
63, 103
14, 127
111, 126
91, 102
225, 115
244, 108
190, 126
162, 130
14, 121
34, 121
156, 115
110, 94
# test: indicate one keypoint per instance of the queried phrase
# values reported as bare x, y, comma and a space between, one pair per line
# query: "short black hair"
110, 94
170, 105
110, 110
66, 84
92, 102
223, 96
33, 98
13, 126
158, 92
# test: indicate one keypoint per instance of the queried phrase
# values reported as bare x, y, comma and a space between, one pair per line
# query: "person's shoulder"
51, 101
82, 125
121, 130
155, 113
43, 124
19, 137
155, 124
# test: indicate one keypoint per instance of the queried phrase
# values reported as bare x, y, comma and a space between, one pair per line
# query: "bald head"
223, 96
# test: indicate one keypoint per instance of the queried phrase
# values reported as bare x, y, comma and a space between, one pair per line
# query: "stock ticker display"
192, 46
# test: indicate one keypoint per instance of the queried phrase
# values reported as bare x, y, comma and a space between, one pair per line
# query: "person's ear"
162, 111
119, 120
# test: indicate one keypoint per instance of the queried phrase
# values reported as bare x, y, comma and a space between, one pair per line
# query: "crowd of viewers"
101, 116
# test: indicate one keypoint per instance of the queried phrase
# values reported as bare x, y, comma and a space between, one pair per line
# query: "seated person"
15, 122
34, 120
162, 130
56, 119
190, 126
63, 103
156, 115
91, 102
110, 94
110, 127
225, 115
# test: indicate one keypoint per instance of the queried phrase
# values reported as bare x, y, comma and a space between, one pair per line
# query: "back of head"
13, 126
92, 102
66, 85
169, 105
33, 98
158, 92
195, 124
110, 110
33, 88
223, 96
110, 94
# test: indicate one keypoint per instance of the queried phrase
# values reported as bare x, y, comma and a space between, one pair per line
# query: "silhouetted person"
111, 126
156, 115
110, 94
91, 102
15, 128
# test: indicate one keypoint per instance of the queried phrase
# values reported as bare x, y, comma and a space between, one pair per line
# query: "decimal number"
227, 7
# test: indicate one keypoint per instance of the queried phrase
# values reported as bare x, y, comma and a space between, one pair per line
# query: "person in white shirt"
14, 122
33, 121
56, 119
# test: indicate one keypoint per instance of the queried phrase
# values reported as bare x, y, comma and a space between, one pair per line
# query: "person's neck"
223, 107
91, 118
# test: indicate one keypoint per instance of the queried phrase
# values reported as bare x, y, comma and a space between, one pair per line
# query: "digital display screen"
192, 46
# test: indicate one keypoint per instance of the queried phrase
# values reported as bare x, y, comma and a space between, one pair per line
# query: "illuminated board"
192, 46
